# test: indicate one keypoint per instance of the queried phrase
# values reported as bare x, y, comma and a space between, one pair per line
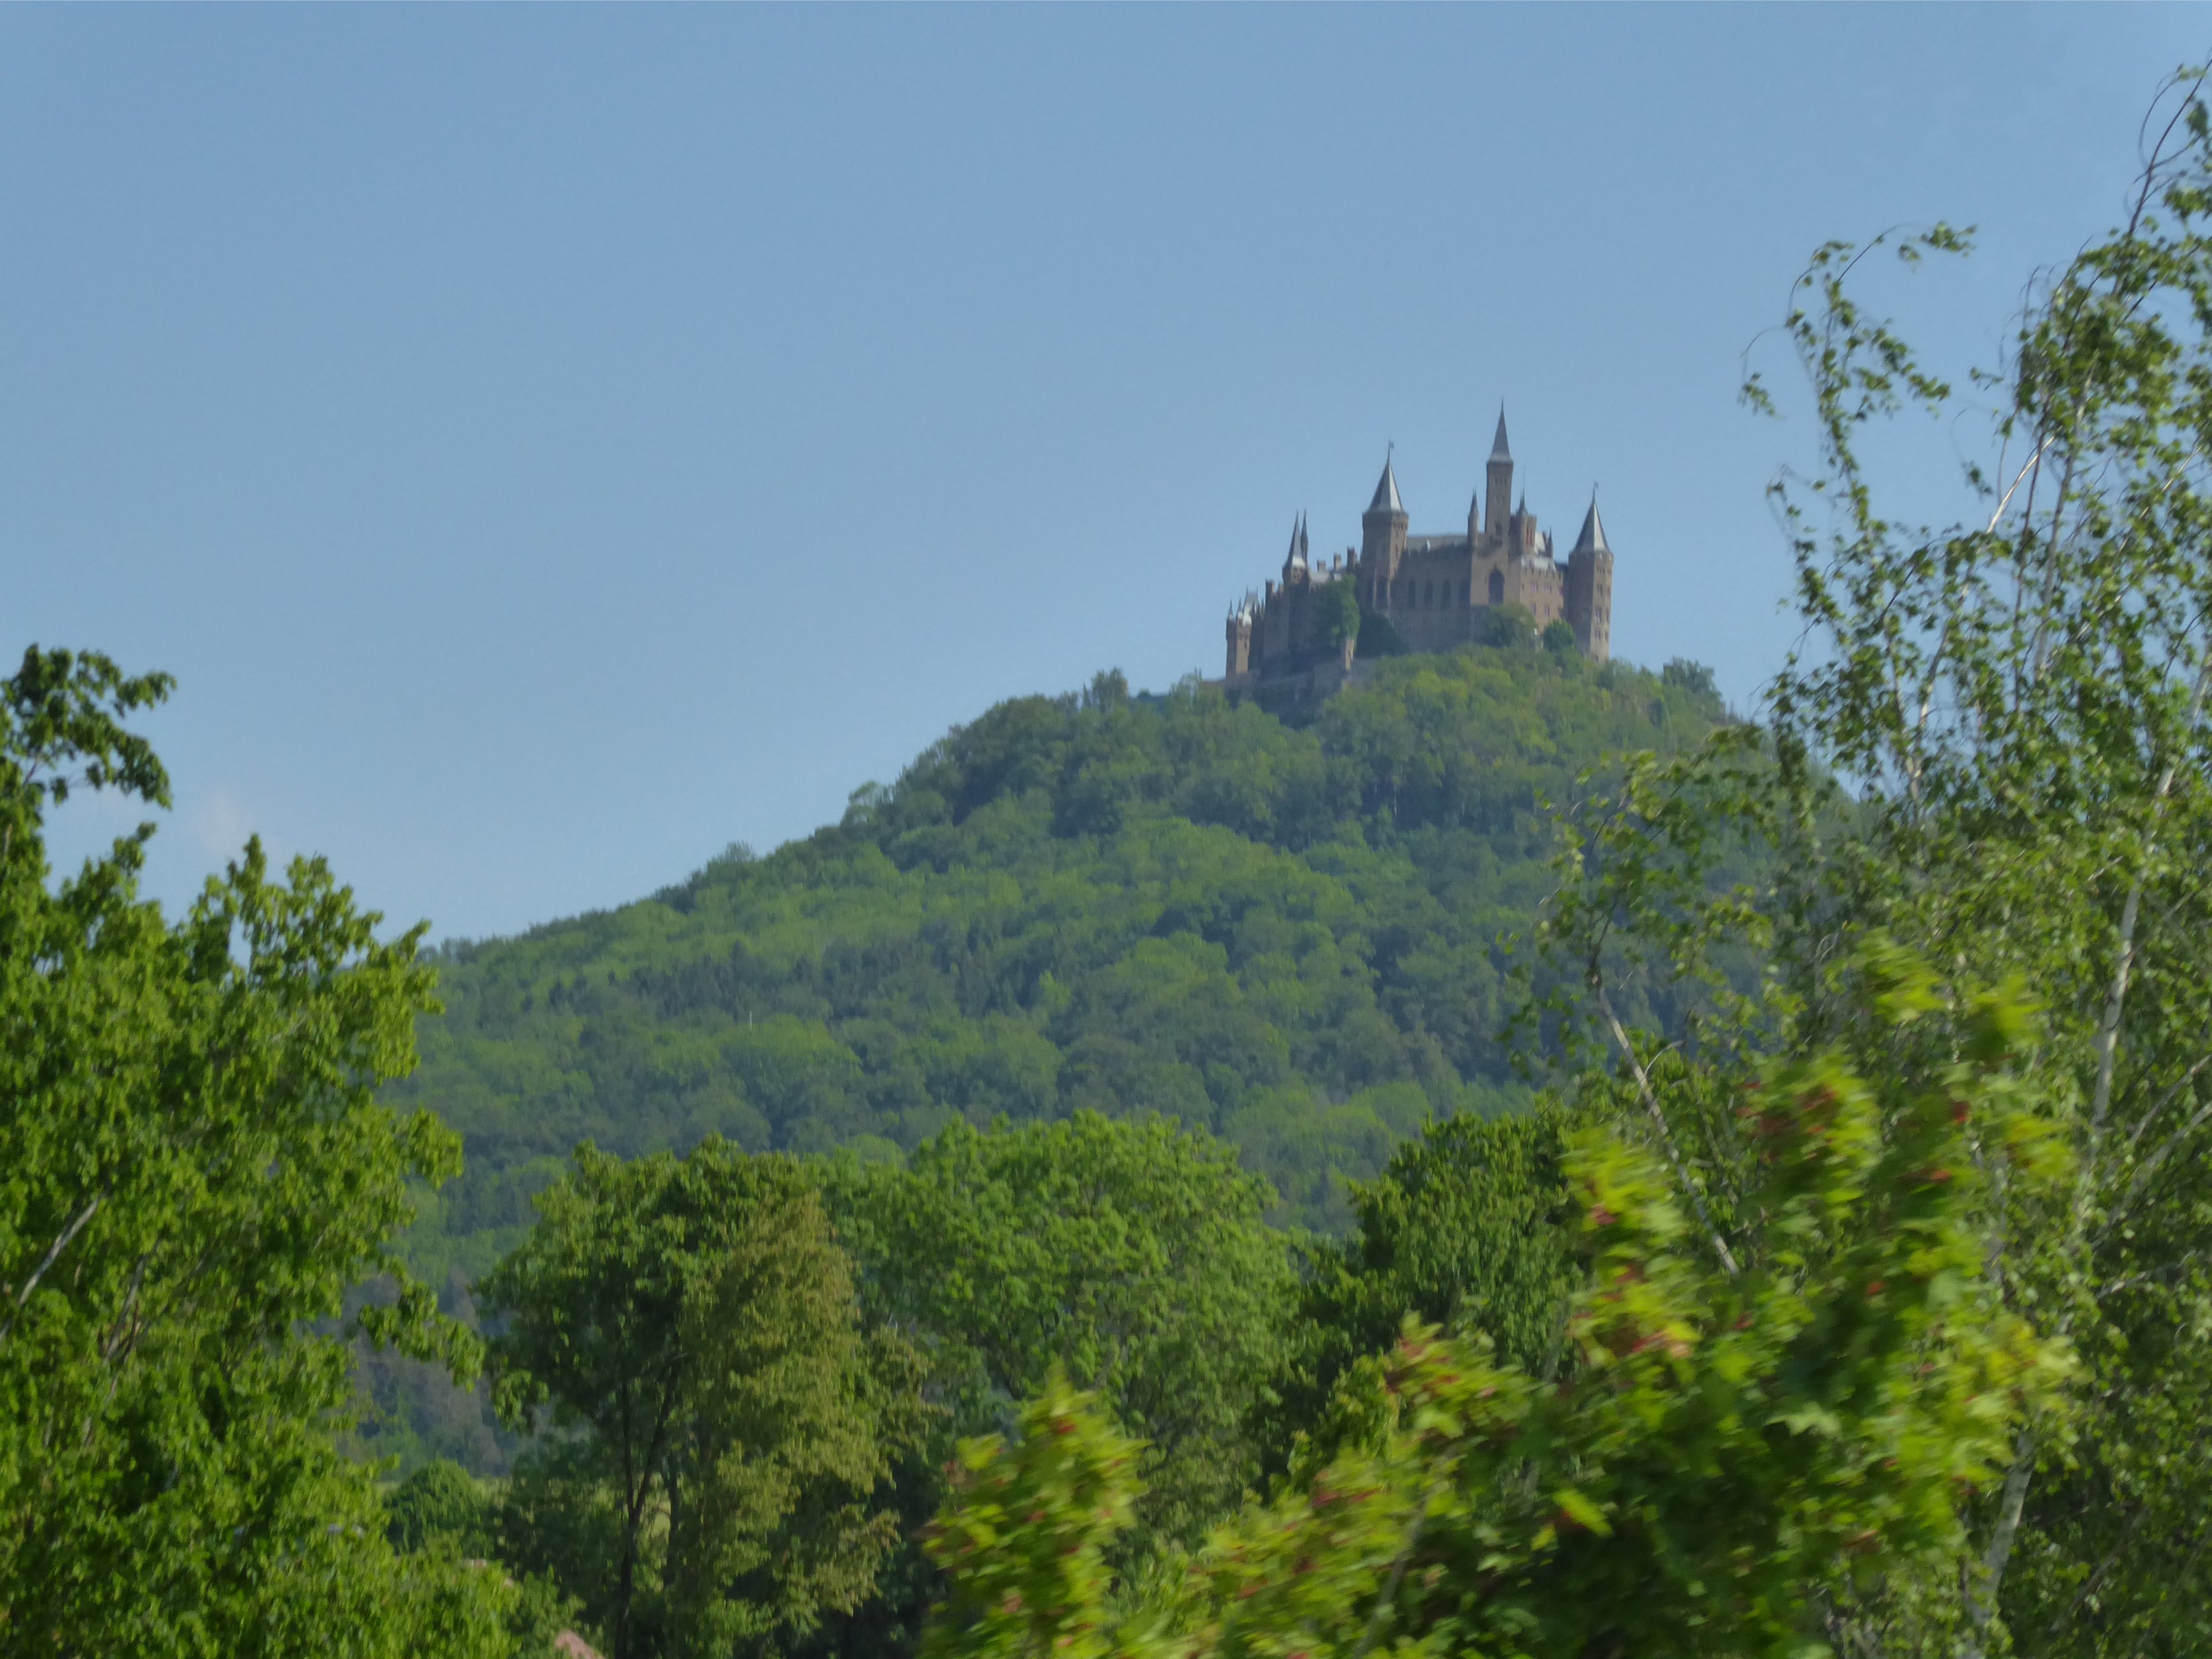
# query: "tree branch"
1659, 1121
61, 1244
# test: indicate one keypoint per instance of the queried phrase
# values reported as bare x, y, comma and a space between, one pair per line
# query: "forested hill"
1170, 904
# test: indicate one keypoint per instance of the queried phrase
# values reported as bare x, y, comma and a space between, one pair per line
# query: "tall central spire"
1498, 485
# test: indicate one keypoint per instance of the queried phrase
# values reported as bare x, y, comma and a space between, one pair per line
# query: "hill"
1290, 935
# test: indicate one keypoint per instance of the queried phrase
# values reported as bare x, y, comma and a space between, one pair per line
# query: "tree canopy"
194, 1171
692, 1323
1135, 1259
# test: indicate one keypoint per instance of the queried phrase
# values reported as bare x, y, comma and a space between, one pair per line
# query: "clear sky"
550, 444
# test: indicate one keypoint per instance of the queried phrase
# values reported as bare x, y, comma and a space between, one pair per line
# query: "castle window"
1464, 589
1497, 588
1428, 595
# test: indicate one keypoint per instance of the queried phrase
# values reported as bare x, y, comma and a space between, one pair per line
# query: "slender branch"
2027, 467
1659, 1122
61, 1244
2167, 1099
2108, 1033
2151, 1165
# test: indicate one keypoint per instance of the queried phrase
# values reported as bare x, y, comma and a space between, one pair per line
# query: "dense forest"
1293, 937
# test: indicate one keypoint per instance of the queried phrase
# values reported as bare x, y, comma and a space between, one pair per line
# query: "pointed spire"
1592, 540
1386, 493
1297, 553
1498, 449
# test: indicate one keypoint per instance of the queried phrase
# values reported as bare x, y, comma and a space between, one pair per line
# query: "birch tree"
1991, 744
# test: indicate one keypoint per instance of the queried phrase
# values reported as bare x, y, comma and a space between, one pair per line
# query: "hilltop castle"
1434, 590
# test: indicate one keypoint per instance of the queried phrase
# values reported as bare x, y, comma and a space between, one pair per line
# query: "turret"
1498, 484
1589, 588
1298, 566
1382, 537
1240, 638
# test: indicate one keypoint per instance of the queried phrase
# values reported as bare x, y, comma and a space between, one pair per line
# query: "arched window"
1428, 595
1497, 588
1465, 588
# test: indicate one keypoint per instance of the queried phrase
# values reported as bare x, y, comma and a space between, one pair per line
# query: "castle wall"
1432, 600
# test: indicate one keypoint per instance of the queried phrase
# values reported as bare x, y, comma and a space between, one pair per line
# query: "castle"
1434, 590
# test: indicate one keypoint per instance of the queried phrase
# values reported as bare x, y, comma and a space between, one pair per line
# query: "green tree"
1466, 1230
720, 1420
1379, 636
1559, 638
1132, 1254
1507, 627
194, 1171
1733, 1450
1336, 608
1694, 677
438, 1501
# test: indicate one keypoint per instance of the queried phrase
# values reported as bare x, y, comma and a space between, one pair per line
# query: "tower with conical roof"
1298, 564
1589, 588
1240, 635
1383, 531
1498, 484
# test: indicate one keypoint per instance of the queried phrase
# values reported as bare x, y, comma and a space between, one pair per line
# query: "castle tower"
1240, 638
1589, 588
1298, 565
1381, 538
1498, 485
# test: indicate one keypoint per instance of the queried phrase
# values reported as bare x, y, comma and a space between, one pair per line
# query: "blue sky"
550, 444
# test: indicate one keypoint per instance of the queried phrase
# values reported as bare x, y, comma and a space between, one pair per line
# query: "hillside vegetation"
1170, 905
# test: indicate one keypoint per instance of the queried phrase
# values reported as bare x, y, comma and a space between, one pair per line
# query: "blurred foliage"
1732, 1449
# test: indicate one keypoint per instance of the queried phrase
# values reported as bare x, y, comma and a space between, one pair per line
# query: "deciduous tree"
194, 1169
686, 1329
